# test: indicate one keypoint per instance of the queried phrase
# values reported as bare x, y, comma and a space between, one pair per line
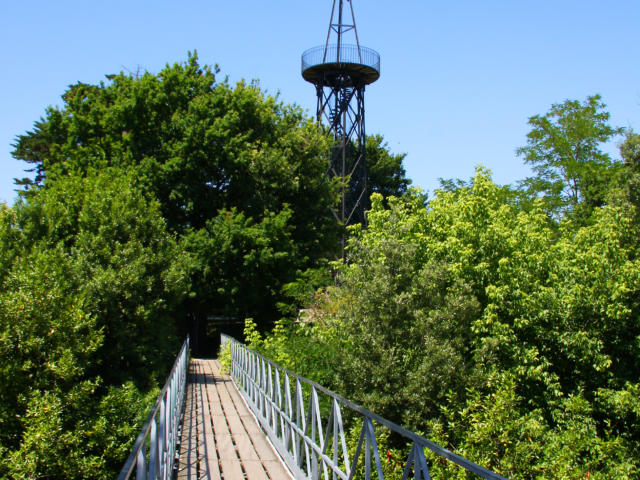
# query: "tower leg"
342, 107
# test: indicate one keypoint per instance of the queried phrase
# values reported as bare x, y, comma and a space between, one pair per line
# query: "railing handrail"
342, 54
251, 369
162, 445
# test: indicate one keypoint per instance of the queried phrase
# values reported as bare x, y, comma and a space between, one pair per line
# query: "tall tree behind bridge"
216, 157
564, 147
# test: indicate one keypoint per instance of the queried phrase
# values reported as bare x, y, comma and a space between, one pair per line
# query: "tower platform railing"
346, 54
304, 422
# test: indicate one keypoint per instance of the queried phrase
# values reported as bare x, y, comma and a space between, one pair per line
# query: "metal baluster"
290, 432
167, 434
161, 434
141, 464
321, 439
258, 383
334, 415
250, 376
269, 396
356, 455
160, 428
280, 410
313, 413
367, 453
170, 440
254, 378
153, 451
302, 424
371, 437
343, 440
262, 388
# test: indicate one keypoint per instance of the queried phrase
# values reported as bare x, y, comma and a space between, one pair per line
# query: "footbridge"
259, 421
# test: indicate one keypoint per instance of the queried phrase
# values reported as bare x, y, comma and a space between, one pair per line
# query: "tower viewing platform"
322, 64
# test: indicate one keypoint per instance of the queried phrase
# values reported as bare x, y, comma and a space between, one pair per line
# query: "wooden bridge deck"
220, 437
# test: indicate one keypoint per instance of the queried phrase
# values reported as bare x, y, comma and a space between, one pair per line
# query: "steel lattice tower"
340, 71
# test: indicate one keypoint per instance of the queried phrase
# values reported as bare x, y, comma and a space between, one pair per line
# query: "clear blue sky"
459, 78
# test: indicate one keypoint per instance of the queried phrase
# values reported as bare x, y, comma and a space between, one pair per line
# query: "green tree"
242, 263
490, 328
564, 150
204, 148
630, 173
386, 173
132, 273
198, 145
90, 281
630, 149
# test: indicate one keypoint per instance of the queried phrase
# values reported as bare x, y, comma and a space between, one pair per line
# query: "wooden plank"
226, 448
215, 405
231, 467
255, 470
188, 455
251, 427
239, 414
216, 410
245, 448
211, 460
269, 460
263, 448
197, 421
236, 427
225, 440
220, 427
276, 470
229, 461
230, 411
232, 470
251, 462
247, 418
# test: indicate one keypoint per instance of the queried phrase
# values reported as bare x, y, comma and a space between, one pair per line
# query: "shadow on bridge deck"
220, 437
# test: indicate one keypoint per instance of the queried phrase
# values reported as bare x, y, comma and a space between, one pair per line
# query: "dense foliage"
493, 322
503, 323
157, 199
216, 157
202, 148
89, 282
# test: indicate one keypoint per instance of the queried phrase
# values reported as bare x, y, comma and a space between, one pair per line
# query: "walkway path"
220, 437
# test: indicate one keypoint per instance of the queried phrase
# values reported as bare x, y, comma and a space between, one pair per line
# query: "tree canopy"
198, 145
90, 282
213, 155
157, 199
502, 323
489, 330
564, 150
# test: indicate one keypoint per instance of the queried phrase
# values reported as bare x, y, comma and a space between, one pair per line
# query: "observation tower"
340, 70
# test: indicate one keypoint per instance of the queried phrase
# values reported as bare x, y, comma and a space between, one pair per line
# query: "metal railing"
161, 429
345, 54
288, 408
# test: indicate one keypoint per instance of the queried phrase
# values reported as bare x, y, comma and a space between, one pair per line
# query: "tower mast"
340, 71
